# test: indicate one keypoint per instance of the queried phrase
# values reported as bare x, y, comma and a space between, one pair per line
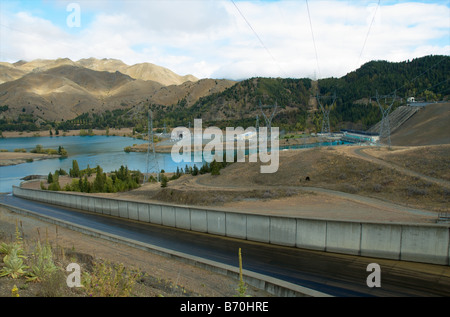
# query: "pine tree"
50, 178
195, 170
100, 180
215, 168
75, 170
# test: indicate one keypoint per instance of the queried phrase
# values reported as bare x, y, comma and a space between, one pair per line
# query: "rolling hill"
56, 91
59, 90
429, 126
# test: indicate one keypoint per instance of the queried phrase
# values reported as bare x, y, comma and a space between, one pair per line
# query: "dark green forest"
425, 79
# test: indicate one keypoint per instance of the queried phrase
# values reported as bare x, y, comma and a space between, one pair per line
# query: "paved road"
338, 275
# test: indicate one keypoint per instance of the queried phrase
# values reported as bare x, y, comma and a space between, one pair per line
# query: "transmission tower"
268, 120
326, 114
385, 125
152, 163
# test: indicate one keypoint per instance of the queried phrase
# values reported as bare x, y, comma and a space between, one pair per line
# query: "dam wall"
427, 243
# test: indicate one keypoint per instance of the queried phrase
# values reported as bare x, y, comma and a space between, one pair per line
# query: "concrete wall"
428, 243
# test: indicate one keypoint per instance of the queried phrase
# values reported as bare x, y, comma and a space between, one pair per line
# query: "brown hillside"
70, 89
429, 126
144, 71
9, 73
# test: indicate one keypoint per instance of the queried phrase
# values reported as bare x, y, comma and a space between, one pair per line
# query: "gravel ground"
163, 276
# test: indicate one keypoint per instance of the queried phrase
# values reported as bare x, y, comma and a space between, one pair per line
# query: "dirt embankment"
429, 126
17, 134
14, 158
160, 276
332, 182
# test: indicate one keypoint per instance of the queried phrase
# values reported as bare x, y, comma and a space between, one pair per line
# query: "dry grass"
325, 168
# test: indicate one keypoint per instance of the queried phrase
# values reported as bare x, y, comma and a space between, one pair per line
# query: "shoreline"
16, 158
46, 133
167, 148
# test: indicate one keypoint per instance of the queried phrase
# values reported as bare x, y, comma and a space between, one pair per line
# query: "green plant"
14, 266
109, 280
42, 263
241, 288
14, 255
164, 180
15, 292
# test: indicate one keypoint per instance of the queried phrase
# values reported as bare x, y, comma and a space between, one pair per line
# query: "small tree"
100, 180
215, 168
75, 170
164, 180
195, 170
50, 178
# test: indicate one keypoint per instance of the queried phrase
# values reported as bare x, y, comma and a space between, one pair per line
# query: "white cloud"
212, 39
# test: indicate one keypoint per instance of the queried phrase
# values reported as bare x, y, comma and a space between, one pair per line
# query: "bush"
164, 180
38, 149
415, 191
75, 170
107, 280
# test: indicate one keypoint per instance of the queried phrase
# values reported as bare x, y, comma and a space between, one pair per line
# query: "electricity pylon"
268, 120
326, 114
151, 155
385, 125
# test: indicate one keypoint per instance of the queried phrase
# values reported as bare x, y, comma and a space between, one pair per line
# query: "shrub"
164, 180
415, 191
108, 280
42, 266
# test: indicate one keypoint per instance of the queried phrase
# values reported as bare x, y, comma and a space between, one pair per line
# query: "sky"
233, 39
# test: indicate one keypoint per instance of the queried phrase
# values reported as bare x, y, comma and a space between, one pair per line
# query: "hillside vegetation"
88, 94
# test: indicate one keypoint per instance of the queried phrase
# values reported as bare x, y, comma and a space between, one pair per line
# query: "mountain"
144, 71
59, 90
239, 105
83, 94
356, 107
424, 78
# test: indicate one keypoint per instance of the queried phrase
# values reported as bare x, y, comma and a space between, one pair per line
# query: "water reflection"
106, 151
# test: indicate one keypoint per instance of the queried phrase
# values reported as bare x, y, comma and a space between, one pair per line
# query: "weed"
42, 263
242, 289
14, 256
109, 280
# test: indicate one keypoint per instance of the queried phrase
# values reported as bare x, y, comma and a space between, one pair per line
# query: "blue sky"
229, 39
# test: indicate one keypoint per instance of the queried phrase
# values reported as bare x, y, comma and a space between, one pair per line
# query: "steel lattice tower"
385, 125
326, 114
151, 155
268, 120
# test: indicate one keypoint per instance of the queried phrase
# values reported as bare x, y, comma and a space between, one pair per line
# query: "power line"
257, 36
368, 32
314, 40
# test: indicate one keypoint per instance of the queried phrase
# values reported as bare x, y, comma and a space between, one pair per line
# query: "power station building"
355, 136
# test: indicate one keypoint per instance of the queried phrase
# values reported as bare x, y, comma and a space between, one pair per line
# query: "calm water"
106, 151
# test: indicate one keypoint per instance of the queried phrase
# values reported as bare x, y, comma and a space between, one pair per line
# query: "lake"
106, 151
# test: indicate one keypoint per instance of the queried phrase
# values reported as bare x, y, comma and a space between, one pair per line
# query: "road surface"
334, 274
